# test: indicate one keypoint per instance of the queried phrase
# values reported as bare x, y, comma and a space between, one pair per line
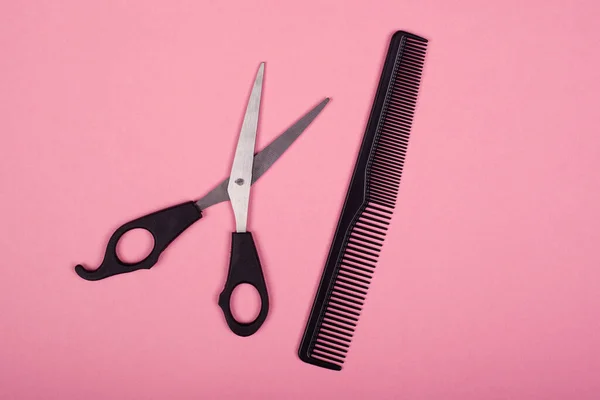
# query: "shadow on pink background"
487, 287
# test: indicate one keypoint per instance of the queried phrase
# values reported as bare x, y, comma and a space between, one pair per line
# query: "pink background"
488, 286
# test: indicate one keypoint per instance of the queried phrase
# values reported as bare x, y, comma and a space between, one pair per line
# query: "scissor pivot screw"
239, 181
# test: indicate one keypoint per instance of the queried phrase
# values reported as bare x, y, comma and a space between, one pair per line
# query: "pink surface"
488, 284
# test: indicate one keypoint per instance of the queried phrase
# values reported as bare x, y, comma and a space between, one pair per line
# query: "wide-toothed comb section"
347, 290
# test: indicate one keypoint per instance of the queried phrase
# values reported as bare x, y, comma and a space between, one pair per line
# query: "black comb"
368, 207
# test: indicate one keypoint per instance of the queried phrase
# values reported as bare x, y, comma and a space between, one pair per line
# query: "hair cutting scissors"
167, 224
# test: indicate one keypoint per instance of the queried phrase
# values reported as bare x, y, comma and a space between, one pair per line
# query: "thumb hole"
245, 303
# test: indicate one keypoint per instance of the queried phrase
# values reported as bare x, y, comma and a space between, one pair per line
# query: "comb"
368, 207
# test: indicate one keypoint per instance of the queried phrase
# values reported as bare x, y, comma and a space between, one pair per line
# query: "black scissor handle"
164, 225
244, 267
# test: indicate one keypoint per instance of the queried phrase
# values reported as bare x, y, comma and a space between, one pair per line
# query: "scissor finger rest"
244, 267
164, 225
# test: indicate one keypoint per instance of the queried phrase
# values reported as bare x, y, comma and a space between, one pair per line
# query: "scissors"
167, 224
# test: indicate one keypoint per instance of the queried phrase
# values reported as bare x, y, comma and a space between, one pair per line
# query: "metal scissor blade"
266, 157
241, 170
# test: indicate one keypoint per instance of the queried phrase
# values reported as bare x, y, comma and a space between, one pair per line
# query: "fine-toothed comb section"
368, 207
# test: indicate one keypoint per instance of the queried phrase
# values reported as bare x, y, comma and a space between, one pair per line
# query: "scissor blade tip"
261, 71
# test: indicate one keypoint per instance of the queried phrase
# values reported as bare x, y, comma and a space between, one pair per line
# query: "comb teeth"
368, 209
383, 178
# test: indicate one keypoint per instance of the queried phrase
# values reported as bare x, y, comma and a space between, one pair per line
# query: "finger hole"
135, 245
245, 303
